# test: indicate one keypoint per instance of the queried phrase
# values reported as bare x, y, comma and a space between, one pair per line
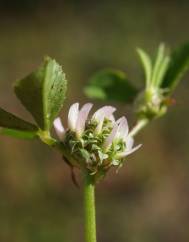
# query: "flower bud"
150, 103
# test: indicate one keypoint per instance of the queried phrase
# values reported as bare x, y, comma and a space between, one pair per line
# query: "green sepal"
178, 67
111, 85
84, 154
43, 92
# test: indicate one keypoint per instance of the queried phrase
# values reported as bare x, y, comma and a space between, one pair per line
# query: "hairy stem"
89, 208
140, 125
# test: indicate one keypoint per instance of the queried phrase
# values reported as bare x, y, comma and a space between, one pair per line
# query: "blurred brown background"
148, 201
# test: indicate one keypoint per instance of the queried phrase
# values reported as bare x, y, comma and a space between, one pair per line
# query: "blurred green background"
148, 201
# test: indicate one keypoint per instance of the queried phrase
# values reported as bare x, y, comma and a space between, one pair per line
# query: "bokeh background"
148, 201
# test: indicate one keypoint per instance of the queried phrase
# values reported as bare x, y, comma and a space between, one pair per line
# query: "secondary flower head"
95, 143
162, 75
151, 103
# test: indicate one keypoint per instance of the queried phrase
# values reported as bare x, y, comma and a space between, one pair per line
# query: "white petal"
129, 142
119, 120
112, 118
73, 116
100, 114
110, 138
60, 131
128, 152
82, 117
123, 127
105, 111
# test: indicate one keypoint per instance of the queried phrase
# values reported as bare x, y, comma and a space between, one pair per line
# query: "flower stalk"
89, 209
139, 126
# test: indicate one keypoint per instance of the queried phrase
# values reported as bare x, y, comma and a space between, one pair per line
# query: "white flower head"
95, 142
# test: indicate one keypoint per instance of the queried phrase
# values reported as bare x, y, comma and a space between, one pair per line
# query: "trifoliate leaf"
43, 92
178, 67
111, 85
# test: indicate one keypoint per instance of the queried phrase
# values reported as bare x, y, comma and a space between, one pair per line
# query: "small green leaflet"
43, 92
111, 85
15, 126
10, 121
178, 67
157, 65
147, 65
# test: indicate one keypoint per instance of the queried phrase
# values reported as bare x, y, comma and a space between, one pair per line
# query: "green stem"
89, 206
140, 125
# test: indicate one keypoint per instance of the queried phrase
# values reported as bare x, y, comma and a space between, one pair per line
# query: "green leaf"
10, 121
43, 92
158, 63
14, 126
147, 65
178, 67
111, 85
162, 71
18, 133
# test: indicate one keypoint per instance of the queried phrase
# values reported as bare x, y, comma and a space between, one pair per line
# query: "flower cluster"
152, 101
95, 143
